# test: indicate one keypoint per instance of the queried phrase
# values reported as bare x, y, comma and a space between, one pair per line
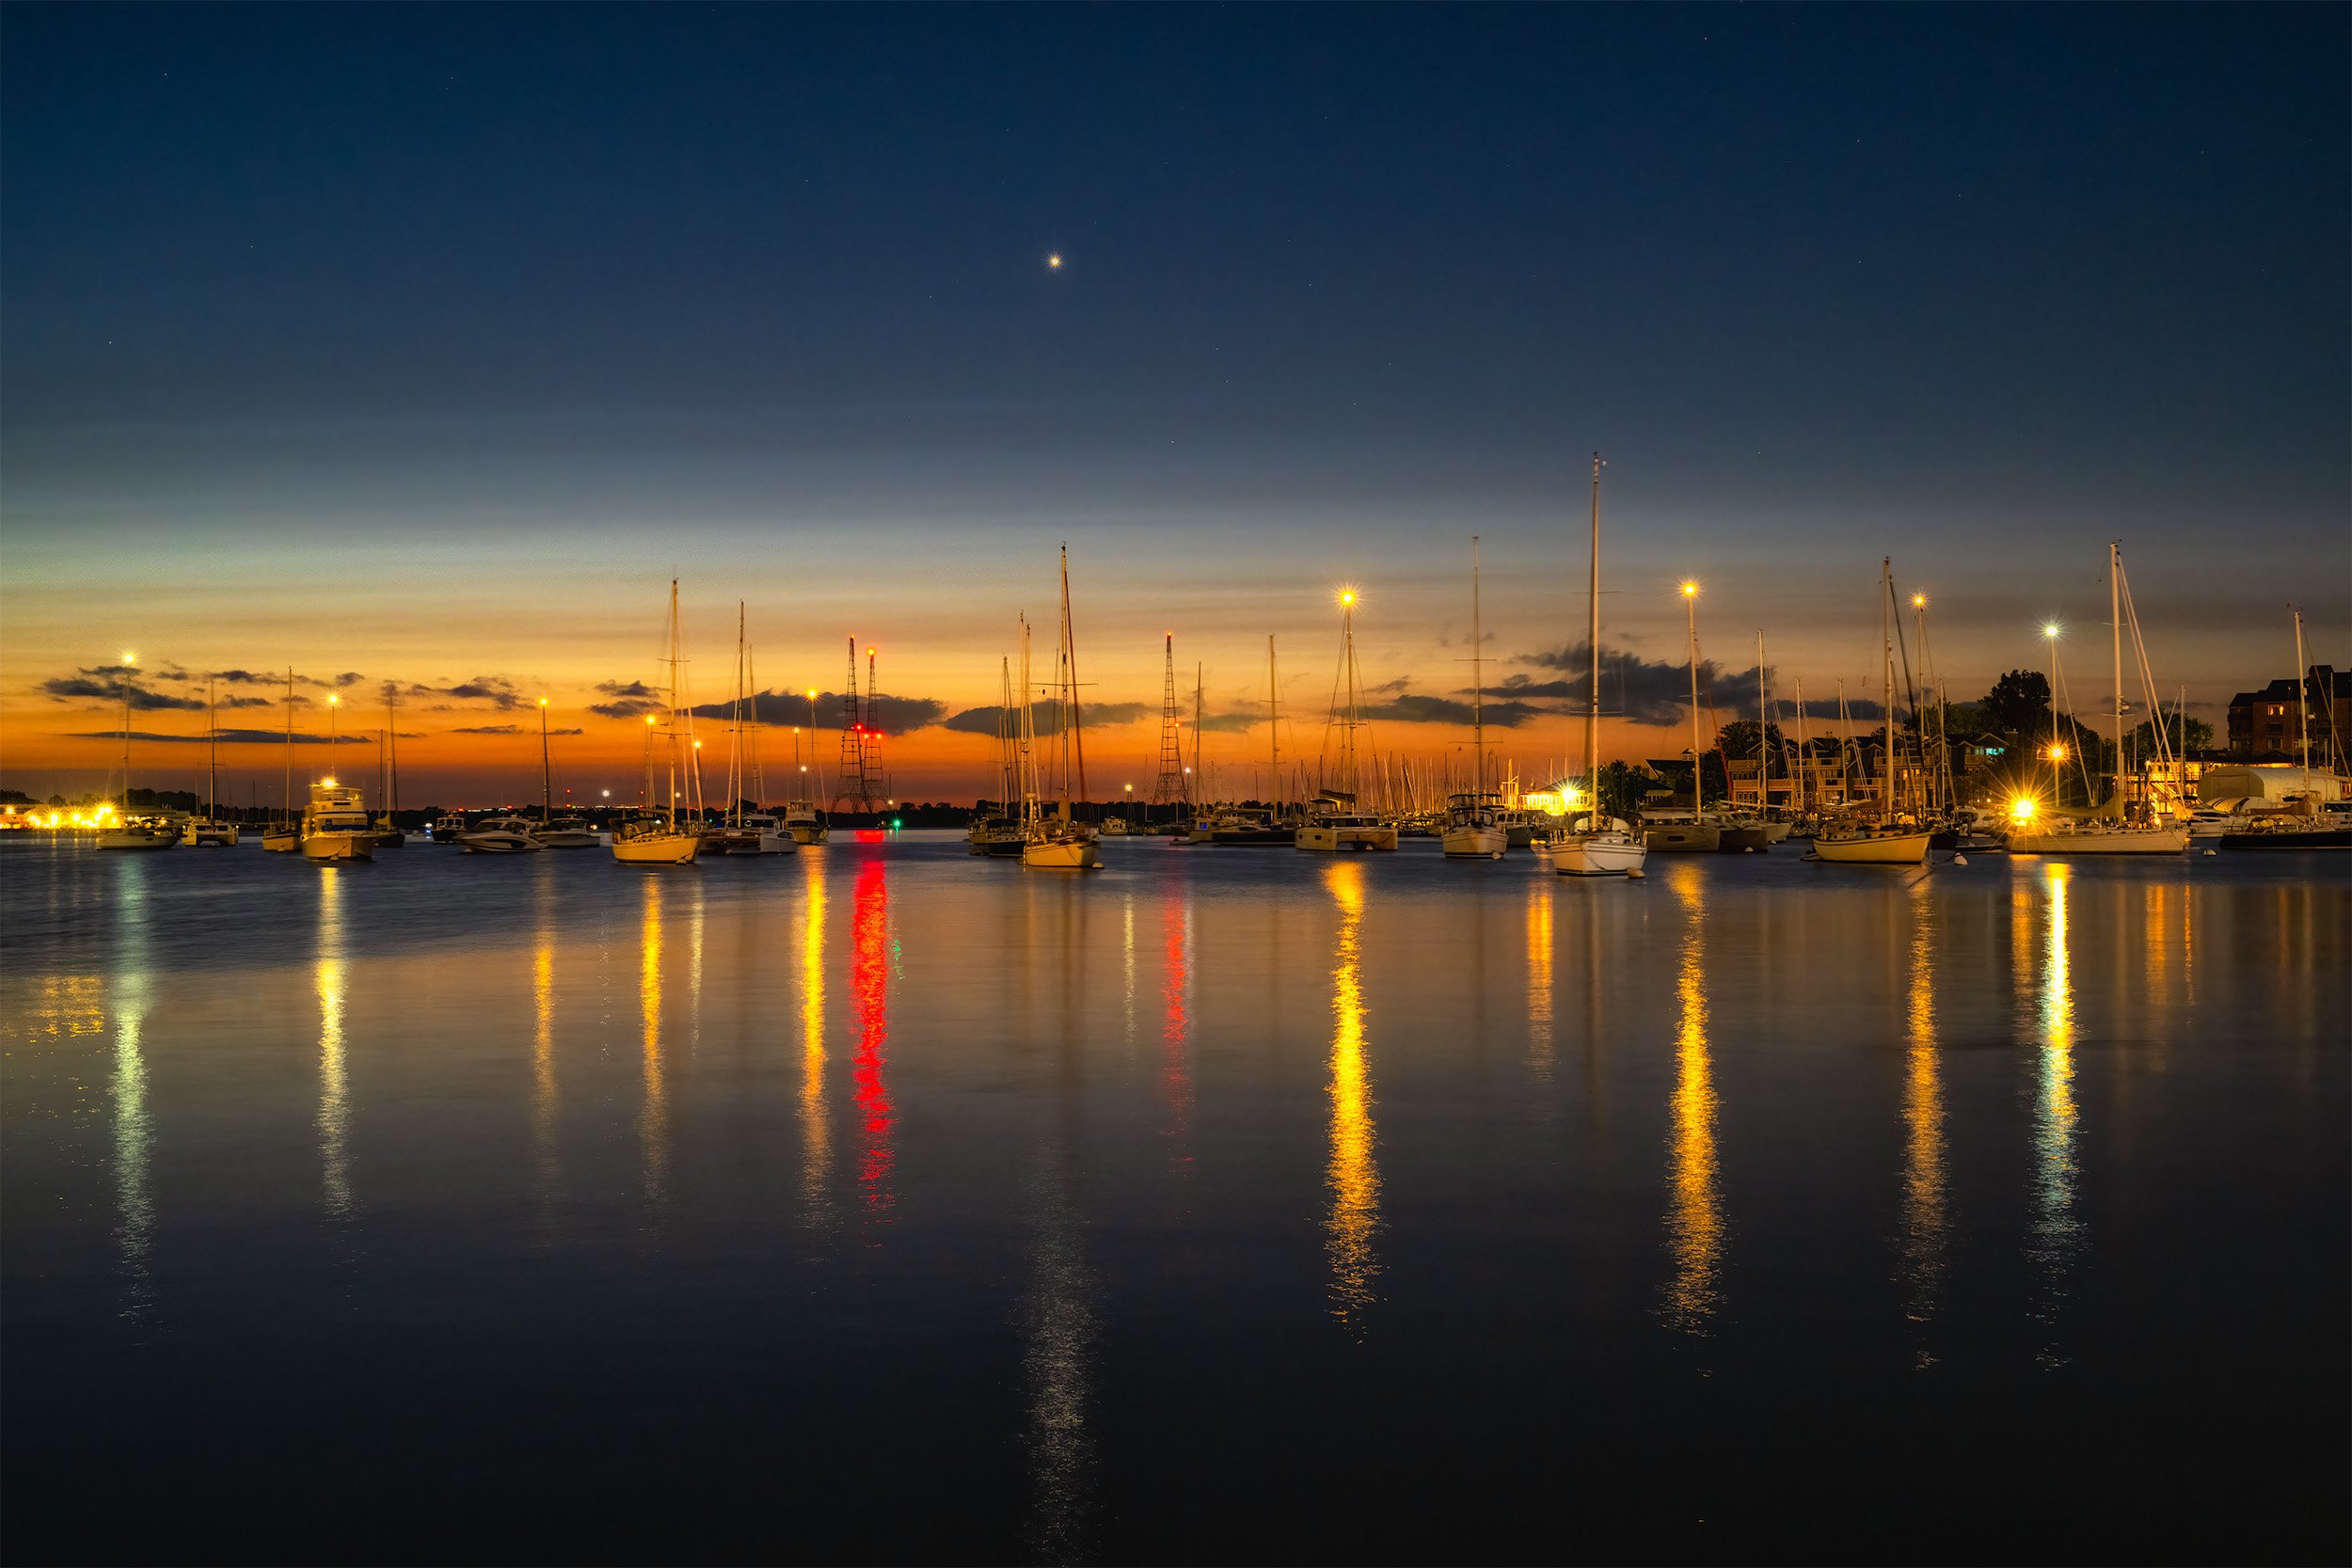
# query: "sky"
419, 348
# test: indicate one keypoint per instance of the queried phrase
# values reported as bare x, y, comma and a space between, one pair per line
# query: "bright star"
1053, 263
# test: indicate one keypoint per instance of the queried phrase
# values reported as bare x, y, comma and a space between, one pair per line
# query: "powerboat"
501, 835
140, 832
567, 832
758, 833
805, 823
336, 827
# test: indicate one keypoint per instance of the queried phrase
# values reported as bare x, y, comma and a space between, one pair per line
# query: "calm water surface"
883, 1204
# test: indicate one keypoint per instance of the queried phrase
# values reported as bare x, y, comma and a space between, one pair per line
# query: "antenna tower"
1170, 788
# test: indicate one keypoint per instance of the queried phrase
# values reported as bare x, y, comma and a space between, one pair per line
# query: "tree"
1737, 739
2181, 734
1620, 786
2019, 704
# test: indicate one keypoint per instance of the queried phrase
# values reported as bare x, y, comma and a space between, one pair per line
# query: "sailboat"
1056, 841
1336, 820
2105, 831
1605, 847
127, 832
1887, 840
1001, 831
210, 829
388, 834
284, 838
664, 842
1473, 826
755, 832
2304, 824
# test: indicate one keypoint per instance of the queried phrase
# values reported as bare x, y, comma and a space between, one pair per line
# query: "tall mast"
1592, 645
1763, 720
758, 779
1028, 736
290, 743
2114, 625
1478, 685
1886, 640
391, 753
2303, 714
1007, 786
1272, 726
735, 728
1799, 790
547, 769
669, 728
1074, 731
211, 754
1199, 677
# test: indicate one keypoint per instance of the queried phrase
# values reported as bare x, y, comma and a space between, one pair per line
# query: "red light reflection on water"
870, 985
1175, 1034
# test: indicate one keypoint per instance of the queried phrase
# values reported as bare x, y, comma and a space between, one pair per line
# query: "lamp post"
1698, 774
2057, 752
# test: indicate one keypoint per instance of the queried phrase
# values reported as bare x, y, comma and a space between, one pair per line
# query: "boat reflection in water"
545, 1166
1540, 981
1695, 1223
1176, 1021
2057, 1233
1924, 1223
334, 1118
1354, 1176
816, 1129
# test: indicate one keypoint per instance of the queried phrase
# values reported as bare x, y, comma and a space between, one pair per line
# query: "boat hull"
338, 846
1602, 855
1682, 838
1476, 844
1062, 855
138, 841
1875, 849
663, 848
282, 841
221, 833
807, 832
2293, 838
1329, 839
499, 843
568, 838
1745, 839
2102, 841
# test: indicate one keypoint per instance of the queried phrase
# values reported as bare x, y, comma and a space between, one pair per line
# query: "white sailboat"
131, 832
1887, 840
1056, 841
756, 832
2105, 831
210, 829
1604, 846
664, 842
1473, 823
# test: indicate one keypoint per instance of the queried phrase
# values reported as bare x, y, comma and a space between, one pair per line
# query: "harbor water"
880, 1203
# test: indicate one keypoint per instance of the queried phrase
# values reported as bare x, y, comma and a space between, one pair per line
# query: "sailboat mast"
1075, 734
547, 769
392, 754
1478, 683
1273, 725
668, 725
290, 743
1798, 791
1198, 678
1028, 736
1592, 645
1886, 651
2302, 713
211, 753
2114, 625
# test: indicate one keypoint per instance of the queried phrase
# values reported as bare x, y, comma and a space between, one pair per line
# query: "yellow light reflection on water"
135, 1207
1354, 1176
1539, 977
1695, 1225
653, 1122
334, 1118
2057, 1229
1924, 1176
816, 1129
542, 1046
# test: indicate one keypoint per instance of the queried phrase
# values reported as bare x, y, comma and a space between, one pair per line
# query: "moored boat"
663, 840
1056, 841
336, 827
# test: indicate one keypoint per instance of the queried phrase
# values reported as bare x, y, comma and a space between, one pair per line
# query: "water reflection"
542, 1045
2057, 1233
1695, 1223
816, 1130
1176, 1020
869, 984
1925, 1226
1059, 1329
135, 1206
1540, 896
334, 1118
1354, 1178
653, 1121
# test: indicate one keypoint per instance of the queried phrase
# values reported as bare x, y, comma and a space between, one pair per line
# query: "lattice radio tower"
853, 788
1172, 787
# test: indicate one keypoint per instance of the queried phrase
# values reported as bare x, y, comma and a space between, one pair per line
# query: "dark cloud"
627, 707
245, 677
488, 729
890, 715
1649, 691
628, 689
982, 720
230, 737
1444, 710
101, 685
1233, 723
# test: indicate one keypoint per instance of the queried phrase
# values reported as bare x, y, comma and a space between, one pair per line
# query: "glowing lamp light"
649, 719
332, 698
1918, 601
129, 659
2050, 630
1689, 590
2057, 753
543, 702
2023, 809
329, 782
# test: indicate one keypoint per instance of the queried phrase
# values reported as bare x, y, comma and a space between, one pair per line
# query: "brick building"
2266, 724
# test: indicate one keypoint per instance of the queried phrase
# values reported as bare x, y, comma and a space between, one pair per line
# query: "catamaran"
1056, 841
1473, 825
662, 840
1604, 847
